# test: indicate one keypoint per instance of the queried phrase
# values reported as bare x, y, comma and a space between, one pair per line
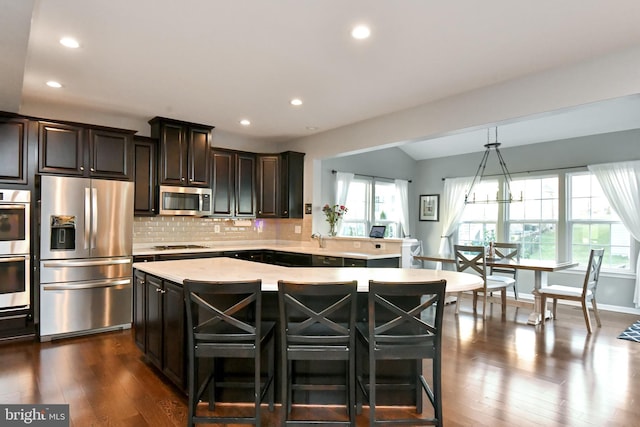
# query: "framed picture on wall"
429, 207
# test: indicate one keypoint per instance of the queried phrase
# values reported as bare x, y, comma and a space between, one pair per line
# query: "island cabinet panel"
139, 310
145, 159
166, 347
159, 322
13, 150
153, 320
173, 337
184, 152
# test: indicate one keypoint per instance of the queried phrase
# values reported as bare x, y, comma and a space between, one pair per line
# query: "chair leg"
515, 290
284, 378
585, 311
418, 378
596, 312
503, 296
437, 388
459, 298
257, 388
484, 305
555, 308
351, 381
193, 389
475, 302
271, 361
372, 388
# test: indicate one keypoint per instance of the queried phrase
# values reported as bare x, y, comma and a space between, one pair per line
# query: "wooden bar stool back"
224, 322
405, 323
317, 323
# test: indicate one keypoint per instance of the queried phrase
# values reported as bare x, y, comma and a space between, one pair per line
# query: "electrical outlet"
216, 228
356, 244
298, 229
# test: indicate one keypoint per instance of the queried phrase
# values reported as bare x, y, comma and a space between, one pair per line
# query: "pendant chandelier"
470, 197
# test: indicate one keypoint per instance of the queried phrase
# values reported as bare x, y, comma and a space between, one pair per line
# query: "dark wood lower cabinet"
159, 329
173, 342
164, 333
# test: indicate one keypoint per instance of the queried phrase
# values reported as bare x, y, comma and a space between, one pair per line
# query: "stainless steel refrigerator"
86, 228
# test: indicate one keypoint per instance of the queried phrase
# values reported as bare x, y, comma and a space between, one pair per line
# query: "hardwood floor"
501, 372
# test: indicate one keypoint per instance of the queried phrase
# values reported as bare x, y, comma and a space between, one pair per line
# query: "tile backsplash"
161, 229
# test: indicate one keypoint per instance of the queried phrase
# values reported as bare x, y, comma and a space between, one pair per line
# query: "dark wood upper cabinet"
280, 180
184, 152
61, 148
268, 186
144, 175
233, 183
111, 154
291, 184
13, 150
85, 151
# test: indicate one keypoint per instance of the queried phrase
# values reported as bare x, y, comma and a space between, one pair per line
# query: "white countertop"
148, 249
229, 269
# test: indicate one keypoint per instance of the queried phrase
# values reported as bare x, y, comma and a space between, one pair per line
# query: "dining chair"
582, 294
405, 323
224, 322
472, 259
317, 323
508, 252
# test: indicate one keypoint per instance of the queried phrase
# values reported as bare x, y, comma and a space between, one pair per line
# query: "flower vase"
332, 229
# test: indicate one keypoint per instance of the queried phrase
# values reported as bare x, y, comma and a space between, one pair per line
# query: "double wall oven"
15, 277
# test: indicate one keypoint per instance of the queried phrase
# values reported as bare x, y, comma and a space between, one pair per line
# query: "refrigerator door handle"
87, 217
94, 216
85, 263
121, 283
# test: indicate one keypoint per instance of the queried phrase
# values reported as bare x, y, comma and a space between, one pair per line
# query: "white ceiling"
218, 61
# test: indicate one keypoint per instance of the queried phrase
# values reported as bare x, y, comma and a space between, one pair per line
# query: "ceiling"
217, 62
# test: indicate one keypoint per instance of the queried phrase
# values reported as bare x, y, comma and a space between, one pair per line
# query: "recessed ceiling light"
69, 42
54, 84
360, 32
245, 122
296, 101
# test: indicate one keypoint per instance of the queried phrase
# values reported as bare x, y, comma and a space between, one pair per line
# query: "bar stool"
405, 323
224, 321
317, 322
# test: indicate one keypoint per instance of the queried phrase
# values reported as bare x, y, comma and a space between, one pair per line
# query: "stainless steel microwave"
191, 201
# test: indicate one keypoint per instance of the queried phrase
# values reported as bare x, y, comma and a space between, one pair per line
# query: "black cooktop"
168, 247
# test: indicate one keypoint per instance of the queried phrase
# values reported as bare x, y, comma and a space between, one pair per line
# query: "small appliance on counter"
86, 245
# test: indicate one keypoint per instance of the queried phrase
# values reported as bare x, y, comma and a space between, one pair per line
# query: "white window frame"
369, 221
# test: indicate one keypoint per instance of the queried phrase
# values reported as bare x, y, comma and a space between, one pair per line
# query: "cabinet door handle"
93, 169
181, 179
81, 168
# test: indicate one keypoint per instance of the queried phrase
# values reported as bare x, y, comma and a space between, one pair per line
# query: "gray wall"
612, 147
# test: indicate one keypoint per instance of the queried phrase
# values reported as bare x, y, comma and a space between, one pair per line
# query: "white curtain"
621, 184
402, 192
343, 181
452, 207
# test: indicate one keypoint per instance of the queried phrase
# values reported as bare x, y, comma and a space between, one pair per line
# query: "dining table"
540, 268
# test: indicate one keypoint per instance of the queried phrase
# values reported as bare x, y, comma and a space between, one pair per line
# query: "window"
371, 202
547, 227
534, 222
594, 224
479, 221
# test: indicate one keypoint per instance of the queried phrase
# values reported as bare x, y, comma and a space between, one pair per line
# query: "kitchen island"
159, 318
